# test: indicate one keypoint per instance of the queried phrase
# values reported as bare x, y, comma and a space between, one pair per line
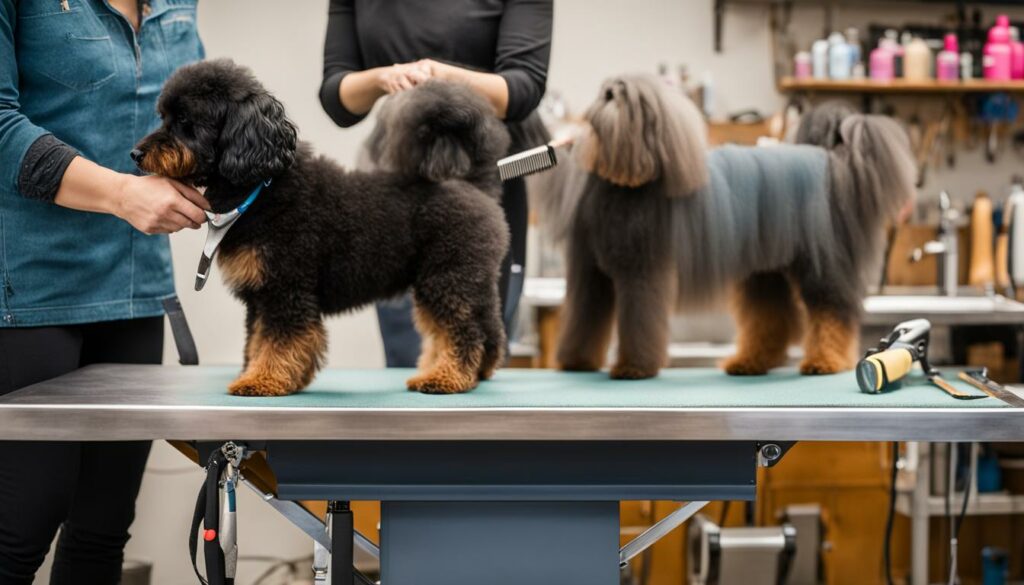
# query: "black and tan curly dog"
655, 222
321, 240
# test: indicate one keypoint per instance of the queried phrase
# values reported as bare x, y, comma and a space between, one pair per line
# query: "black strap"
207, 513
187, 354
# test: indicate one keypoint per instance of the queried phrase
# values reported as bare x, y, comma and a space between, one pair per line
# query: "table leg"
919, 517
339, 521
499, 543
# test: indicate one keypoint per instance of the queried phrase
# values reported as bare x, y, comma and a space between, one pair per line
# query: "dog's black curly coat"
321, 240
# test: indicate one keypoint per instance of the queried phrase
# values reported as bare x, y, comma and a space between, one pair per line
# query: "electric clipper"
884, 367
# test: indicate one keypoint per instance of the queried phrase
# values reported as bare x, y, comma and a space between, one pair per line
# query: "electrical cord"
955, 536
891, 517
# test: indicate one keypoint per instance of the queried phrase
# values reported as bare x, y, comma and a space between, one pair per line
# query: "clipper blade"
527, 162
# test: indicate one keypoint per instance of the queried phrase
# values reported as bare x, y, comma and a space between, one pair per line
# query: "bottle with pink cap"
996, 56
947, 63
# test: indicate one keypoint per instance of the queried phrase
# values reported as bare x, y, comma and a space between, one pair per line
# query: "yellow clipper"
877, 371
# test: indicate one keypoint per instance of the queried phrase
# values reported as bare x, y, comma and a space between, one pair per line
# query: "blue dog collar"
252, 197
217, 227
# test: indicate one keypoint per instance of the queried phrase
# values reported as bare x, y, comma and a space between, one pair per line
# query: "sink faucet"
944, 245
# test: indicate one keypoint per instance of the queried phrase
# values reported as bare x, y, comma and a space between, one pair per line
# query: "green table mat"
528, 388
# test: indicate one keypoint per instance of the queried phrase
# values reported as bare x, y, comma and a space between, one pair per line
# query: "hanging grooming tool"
997, 110
980, 380
1014, 211
926, 149
884, 367
1002, 255
982, 268
217, 227
531, 161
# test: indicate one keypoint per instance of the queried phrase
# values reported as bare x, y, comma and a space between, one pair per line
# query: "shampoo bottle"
882, 63
966, 65
802, 65
996, 59
853, 40
819, 58
839, 65
917, 60
947, 63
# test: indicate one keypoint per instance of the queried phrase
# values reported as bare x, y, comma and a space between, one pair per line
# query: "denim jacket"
78, 70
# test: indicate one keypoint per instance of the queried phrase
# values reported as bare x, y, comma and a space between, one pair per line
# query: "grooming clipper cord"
527, 162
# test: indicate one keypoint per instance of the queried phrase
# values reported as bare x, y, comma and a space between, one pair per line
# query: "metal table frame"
473, 491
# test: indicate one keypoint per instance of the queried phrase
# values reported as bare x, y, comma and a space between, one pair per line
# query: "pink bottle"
947, 63
1016, 54
996, 57
883, 66
802, 65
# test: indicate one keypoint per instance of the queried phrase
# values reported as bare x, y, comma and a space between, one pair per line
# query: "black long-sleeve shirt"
509, 37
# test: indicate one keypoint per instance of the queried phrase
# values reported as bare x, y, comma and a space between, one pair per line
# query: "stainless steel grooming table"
518, 481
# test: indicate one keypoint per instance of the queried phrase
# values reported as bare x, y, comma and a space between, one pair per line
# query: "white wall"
282, 42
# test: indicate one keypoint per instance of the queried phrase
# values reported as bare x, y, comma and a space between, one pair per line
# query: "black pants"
87, 490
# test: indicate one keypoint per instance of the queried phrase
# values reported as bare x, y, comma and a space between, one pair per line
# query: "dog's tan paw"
439, 383
821, 365
744, 366
631, 372
250, 385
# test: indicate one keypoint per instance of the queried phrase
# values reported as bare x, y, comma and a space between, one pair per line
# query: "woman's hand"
152, 205
402, 76
157, 205
490, 86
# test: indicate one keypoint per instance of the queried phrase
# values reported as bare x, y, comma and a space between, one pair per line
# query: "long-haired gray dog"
659, 223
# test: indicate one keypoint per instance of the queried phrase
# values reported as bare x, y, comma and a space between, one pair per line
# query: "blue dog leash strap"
217, 227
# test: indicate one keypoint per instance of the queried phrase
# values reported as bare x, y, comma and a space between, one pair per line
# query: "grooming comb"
527, 162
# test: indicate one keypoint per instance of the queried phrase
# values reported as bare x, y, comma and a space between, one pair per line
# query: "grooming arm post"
658, 531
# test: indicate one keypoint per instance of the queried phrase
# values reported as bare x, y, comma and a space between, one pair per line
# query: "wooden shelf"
898, 86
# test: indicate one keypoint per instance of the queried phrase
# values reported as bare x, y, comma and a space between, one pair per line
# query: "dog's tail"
441, 131
873, 177
873, 167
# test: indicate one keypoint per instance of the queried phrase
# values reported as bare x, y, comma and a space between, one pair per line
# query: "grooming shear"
218, 225
980, 380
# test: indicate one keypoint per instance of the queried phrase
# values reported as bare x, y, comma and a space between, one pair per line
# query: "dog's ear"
257, 141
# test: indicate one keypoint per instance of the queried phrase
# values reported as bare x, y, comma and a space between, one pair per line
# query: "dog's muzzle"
137, 156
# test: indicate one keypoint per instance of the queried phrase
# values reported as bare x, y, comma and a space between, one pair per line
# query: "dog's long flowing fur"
661, 224
320, 240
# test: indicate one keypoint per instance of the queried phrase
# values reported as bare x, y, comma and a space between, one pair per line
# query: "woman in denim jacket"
84, 257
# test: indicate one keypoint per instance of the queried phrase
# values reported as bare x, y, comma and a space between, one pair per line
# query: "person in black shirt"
499, 48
